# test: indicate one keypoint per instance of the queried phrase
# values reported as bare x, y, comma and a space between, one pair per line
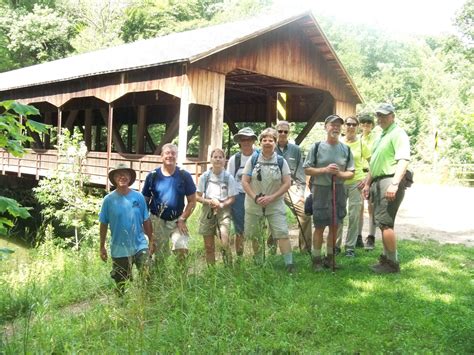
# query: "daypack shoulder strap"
237, 162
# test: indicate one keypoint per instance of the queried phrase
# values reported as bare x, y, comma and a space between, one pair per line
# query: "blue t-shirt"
125, 214
168, 193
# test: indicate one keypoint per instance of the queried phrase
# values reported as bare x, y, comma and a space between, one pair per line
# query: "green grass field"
61, 301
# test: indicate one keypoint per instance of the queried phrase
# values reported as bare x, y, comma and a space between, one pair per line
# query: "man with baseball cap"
385, 184
126, 212
245, 138
328, 160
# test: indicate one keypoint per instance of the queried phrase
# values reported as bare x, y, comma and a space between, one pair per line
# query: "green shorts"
385, 211
209, 222
276, 222
122, 267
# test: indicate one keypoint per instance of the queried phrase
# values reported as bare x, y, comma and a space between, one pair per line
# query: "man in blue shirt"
125, 211
164, 190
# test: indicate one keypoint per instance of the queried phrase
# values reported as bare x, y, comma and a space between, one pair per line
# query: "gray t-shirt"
329, 154
270, 182
294, 158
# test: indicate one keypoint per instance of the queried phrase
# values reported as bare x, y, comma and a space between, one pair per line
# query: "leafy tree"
13, 121
63, 195
37, 36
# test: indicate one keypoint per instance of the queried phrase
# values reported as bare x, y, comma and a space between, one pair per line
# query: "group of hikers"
338, 173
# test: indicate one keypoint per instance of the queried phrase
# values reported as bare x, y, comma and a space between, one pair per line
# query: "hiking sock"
316, 252
372, 228
288, 257
329, 250
392, 256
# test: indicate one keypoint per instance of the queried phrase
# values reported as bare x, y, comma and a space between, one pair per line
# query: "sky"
406, 17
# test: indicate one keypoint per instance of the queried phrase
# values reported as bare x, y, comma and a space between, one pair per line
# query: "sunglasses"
281, 131
351, 124
259, 173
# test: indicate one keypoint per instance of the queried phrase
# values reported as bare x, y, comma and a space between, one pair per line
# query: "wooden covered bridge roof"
188, 46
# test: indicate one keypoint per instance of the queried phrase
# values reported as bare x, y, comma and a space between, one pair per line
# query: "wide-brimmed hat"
244, 132
333, 118
122, 167
385, 109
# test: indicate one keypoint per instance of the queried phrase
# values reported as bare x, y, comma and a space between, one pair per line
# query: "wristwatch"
395, 183
181, 218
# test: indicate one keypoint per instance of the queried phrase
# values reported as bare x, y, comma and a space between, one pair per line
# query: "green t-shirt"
392, 146
361, 153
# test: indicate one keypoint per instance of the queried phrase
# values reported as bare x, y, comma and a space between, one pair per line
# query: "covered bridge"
131, 99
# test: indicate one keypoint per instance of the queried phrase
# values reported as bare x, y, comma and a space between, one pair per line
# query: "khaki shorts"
209, 222
385, 211
276, 222
165, 231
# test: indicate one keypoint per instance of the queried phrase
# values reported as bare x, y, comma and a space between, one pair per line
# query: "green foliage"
37, 36
13, 121
63, 195
247, 309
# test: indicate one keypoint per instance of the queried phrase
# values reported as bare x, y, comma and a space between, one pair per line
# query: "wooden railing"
40, 163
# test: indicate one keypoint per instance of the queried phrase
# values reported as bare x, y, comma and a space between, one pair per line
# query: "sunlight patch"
436, 265
363, 286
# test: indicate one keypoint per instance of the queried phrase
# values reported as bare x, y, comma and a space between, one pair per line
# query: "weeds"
428, 308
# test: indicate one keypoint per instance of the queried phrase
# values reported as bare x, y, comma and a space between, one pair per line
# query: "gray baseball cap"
385, 109
333, 118
244, 132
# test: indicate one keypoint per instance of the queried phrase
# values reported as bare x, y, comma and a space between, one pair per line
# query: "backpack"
280, 159
154, 179
206, 177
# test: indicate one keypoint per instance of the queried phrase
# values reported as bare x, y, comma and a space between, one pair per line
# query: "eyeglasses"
351, 124
281, 131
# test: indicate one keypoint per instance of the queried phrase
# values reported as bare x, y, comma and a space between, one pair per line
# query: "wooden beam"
149, 140
110, 122
170, 132
119, 145
141, 127
88, 128
321, 110
71, 117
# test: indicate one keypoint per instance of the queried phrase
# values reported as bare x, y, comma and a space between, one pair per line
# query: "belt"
381, 177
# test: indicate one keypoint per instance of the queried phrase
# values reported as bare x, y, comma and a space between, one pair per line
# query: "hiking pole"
293, 209
263, 234
334, 224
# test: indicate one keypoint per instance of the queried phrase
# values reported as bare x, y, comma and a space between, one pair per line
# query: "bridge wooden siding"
40, 163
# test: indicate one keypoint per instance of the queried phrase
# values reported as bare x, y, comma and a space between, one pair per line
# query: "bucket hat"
244, 132
122, 167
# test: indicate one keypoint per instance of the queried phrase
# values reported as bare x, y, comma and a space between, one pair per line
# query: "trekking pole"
293, 209
334, 224
263, 225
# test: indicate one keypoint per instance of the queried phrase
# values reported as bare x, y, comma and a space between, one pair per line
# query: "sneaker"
317, 263
370, 242
350, 253
387, 267
359, 242
337, 250
291, 268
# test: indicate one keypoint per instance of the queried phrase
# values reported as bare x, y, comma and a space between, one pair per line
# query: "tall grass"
428, 308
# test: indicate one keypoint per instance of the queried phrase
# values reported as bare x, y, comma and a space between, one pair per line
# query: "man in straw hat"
126, 212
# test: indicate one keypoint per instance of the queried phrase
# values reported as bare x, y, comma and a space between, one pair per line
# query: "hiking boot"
382, 261
329, 261
386, 266
350, 253
291, 268
359, 242
317, 263
337, 250
370, 242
